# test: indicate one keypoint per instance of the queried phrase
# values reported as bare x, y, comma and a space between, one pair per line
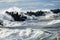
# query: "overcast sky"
30, 4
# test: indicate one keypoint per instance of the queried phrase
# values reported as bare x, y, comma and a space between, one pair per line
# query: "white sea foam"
29, 29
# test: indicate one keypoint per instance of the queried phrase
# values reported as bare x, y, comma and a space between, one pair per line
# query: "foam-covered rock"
38, 13
56, 11
16, 16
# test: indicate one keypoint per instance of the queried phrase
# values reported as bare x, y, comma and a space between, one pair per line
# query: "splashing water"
33, 28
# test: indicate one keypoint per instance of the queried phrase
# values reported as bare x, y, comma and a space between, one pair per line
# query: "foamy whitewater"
34, 28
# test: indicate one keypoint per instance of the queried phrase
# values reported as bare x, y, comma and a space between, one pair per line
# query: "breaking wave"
16, 24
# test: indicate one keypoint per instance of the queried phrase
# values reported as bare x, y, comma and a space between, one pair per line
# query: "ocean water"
34, 28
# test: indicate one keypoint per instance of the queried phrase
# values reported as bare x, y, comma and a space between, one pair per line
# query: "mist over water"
30, 26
